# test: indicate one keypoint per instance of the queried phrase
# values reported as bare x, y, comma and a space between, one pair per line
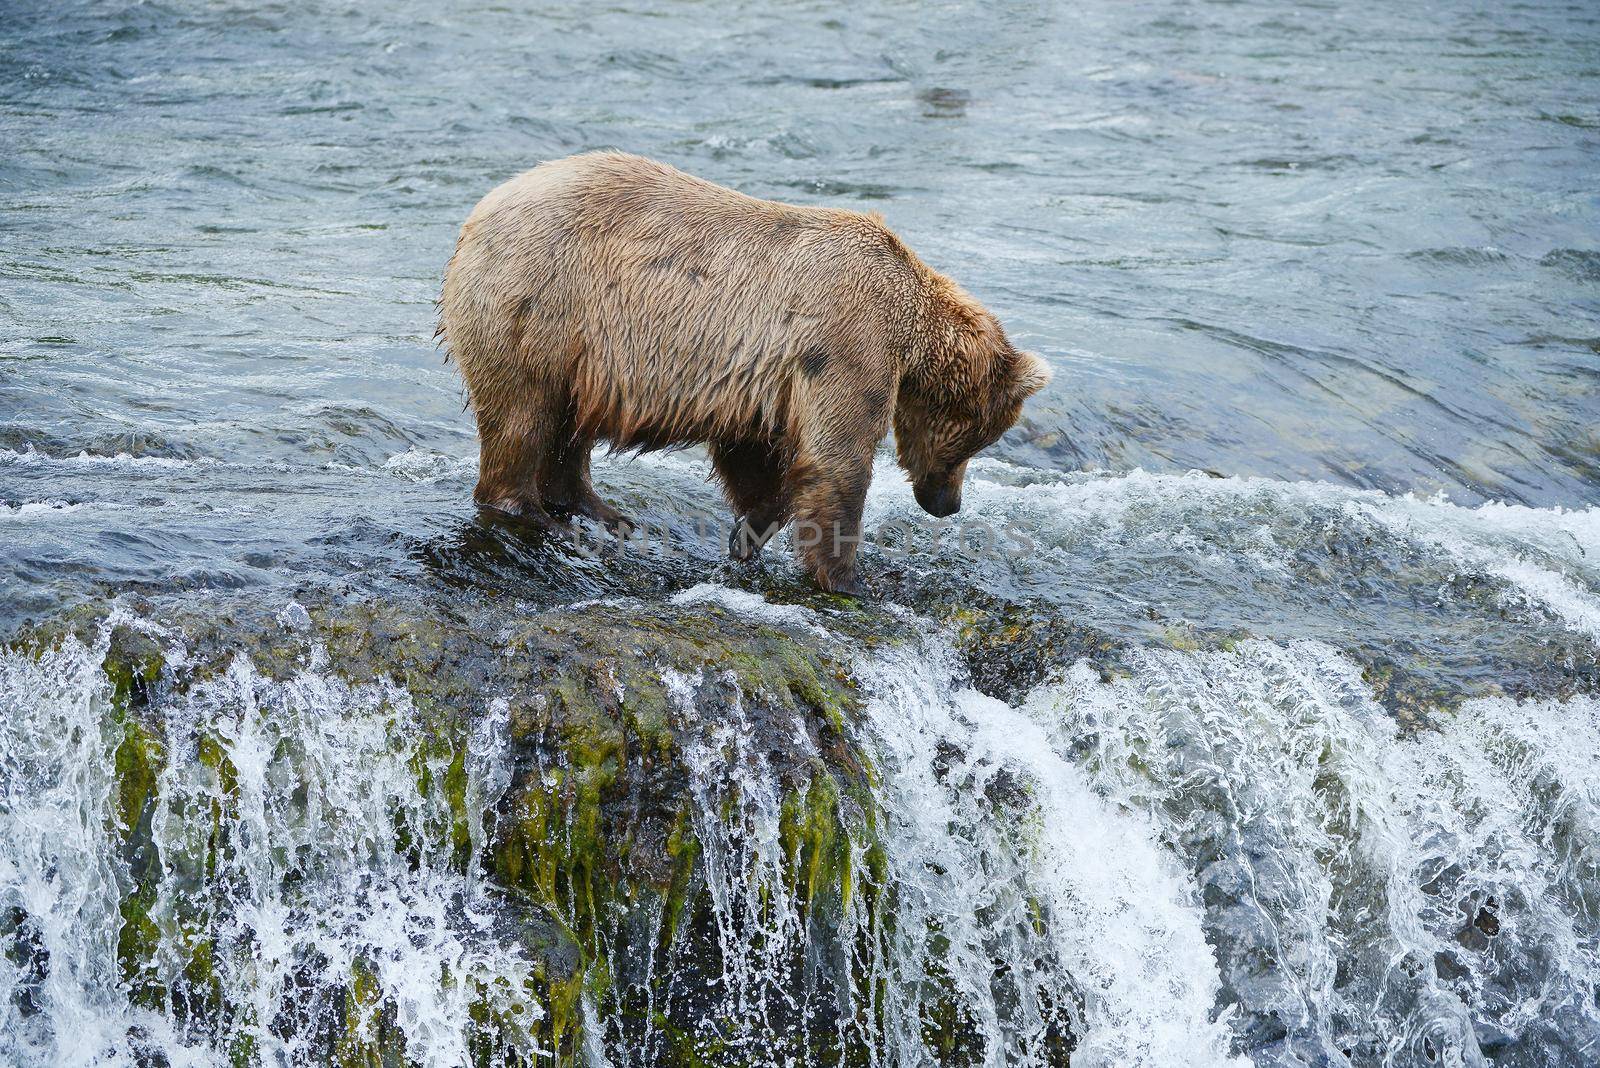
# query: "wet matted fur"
609, 297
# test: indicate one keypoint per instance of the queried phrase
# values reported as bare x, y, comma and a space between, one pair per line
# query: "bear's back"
632, 279
600, 210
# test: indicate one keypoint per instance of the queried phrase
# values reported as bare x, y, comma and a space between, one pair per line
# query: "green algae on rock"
584, 844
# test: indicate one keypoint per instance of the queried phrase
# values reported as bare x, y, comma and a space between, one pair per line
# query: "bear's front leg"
845, 413
829, 501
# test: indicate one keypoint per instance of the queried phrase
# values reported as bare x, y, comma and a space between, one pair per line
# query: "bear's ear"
1031, 375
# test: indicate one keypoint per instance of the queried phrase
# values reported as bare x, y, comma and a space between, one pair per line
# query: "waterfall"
1050, 909
277, 903
1221, 853
1395, 897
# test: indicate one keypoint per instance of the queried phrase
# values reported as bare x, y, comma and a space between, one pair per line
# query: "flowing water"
1320, 470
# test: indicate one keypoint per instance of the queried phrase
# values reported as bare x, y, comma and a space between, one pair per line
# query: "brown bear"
611, 297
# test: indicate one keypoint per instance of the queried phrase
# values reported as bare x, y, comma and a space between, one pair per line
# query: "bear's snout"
939, 496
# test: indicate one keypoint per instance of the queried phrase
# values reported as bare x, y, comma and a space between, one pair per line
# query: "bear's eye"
974, 438
961, 446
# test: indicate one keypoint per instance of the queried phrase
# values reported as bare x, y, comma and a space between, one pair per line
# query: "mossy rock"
595, 844
1008, 648
598, 826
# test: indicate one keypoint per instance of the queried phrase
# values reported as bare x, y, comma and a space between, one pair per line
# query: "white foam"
1127, 922
1547, 558
32, 457
1122, 921
744, 603
737, 818
1348, 861
35, 510
57, 859
426, 466
1503, 541
294, 880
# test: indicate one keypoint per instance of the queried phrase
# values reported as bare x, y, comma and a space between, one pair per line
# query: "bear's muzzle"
939, 496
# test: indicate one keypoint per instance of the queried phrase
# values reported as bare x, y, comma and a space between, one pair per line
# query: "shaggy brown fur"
610, 297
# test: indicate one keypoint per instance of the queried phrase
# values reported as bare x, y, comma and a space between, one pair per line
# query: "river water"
1321, 286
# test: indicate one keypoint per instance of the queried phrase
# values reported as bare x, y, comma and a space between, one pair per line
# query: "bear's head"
963, 389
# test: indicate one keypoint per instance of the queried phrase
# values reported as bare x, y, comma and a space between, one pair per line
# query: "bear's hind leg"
752, 474
513, 449
566, 486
